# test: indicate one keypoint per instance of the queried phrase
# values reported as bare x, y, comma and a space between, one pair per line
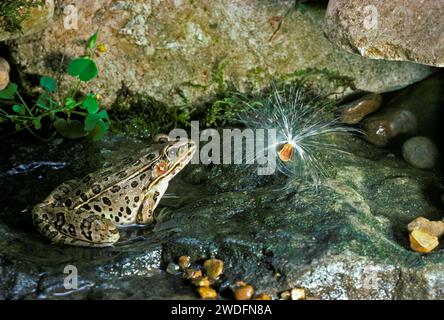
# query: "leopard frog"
87, 212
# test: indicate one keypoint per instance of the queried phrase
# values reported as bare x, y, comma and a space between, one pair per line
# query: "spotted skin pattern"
86, 212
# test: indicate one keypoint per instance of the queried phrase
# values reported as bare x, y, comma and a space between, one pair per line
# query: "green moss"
142, 116
14, 12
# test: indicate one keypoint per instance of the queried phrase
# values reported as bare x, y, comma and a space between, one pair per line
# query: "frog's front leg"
152, 199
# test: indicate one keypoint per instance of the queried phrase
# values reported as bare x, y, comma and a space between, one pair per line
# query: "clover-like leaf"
9, 92
90, 104
18, 108
92, 119
70, 103
37, 123
99, 130
69, 129
48, 83
42, 101
92, 41
83, 68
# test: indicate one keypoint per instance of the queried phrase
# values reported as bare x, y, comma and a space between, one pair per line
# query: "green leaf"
91, 121
69, 129
42, 101
18, 108
70, 103
9, 92
48, 83
90, 104
92, 41
37, 124
83, 68
99, 131
103, 115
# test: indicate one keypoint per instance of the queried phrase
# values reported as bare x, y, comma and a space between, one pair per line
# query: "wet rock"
184, 262
207, 293
416, 110
435, 228
297, 294
263, 296
422, 241
345, 239
354, 112
192, 274
285, 295
172, 268
420, 152
381, 129
37, 19
392, 30
214, 268
244, 293
153, 45
4, 73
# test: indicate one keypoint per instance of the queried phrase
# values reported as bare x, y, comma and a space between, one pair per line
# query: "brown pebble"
201, 282
285, 295
4, 73
354, 112
207, 293
382, 128
297, 294
434, 228
184, 262
213, 268
244, 293
421, 241
262, 296
192, 274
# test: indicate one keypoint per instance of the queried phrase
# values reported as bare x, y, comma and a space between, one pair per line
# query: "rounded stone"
244, 293
420, 152
172, 268
4, 73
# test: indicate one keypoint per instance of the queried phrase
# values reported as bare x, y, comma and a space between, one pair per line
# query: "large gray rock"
346, 240
402, 30
176, 50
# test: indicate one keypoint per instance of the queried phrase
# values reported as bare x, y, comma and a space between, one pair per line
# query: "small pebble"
354, 112
421, 241
244, 293
172, 268
420, 152
262, 296
4, 73
192, 274
184, 262
213, 268
207, 293
434, 228
297, 294
202, 282
285, 295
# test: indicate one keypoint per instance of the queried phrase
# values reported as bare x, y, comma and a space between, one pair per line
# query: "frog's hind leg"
76, 227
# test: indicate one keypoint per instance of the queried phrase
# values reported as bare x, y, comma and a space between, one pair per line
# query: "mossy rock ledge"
345, 240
